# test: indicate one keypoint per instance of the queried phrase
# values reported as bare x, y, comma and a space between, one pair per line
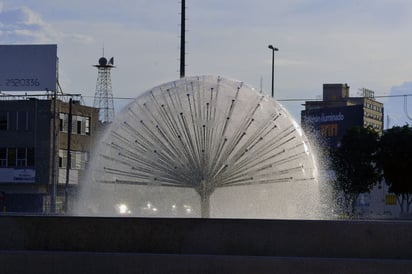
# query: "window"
16, 157
87, 126
79, 127
80, 124
62, 158
11, 157
63, 122
21, 157
30, 157
3, 157
78, 159
4, 120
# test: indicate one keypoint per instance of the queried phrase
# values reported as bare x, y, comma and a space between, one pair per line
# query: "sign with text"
330, 124
28, 67
17, 175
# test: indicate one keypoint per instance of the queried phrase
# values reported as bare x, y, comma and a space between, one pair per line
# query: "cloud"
362, 43
24, 25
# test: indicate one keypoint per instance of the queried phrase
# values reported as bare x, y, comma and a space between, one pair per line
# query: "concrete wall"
90, 263
293, 245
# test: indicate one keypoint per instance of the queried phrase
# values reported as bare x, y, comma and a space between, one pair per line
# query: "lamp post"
273, 68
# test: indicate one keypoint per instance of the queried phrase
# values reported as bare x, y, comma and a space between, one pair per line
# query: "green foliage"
354, 163
395, 160
362, 158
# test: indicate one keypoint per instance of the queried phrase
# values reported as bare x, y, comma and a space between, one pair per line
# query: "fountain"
222, 141
212, 136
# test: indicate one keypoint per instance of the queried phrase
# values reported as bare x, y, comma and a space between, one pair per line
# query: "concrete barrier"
291, 244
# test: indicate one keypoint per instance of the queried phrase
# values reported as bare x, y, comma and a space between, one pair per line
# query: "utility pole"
69, 157
182, 39
54, 175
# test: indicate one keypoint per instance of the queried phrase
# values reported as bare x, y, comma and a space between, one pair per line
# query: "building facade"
28, 149
329, 119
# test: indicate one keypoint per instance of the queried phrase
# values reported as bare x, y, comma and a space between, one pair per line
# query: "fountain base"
45, 244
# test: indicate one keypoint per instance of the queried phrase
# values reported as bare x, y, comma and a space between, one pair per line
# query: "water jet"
205, 133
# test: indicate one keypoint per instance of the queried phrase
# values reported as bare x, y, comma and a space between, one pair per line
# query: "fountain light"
188, 209
123, 209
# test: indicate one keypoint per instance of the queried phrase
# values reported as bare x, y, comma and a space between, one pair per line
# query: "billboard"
28, 67
330, 124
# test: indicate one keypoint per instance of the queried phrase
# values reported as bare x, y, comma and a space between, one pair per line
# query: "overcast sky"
364, 43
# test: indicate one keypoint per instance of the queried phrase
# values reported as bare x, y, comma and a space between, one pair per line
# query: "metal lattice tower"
103, 97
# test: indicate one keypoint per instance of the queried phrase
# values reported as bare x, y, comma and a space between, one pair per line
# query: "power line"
311, 99
282, 100
132, 98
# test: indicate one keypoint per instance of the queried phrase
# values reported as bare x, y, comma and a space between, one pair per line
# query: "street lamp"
273, 68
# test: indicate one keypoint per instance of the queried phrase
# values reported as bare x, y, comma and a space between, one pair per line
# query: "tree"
394, 158
354, 165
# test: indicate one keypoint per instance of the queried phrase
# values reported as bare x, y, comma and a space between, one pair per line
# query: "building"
27, 151
337, 112
329, 119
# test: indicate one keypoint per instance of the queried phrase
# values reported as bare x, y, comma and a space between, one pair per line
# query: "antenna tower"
103, 97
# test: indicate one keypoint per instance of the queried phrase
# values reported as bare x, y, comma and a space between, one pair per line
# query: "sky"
364, 43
